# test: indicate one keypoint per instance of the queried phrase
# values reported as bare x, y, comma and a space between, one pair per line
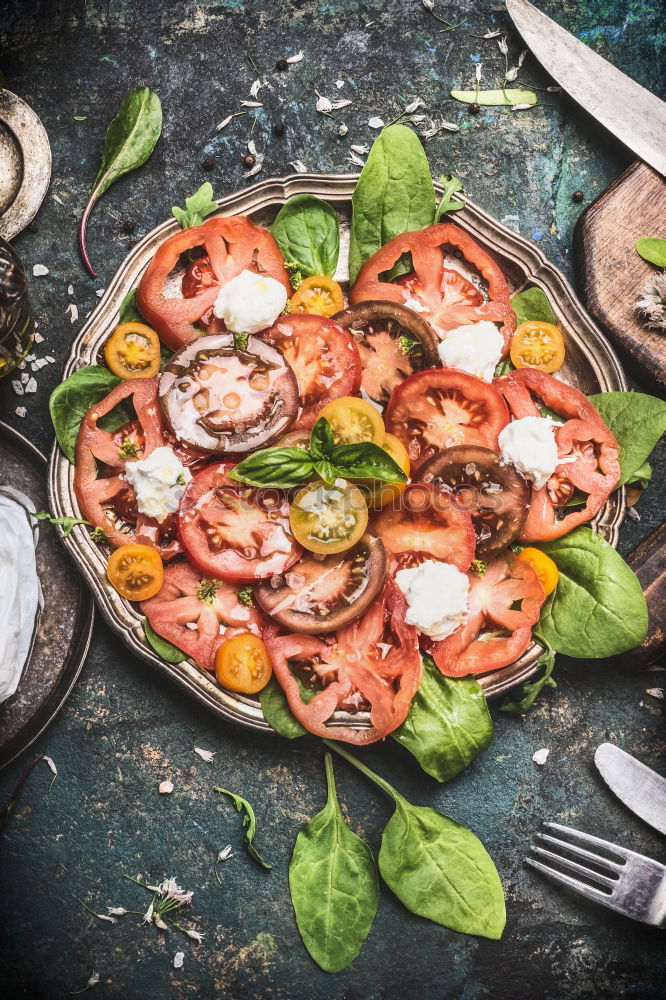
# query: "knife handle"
648, 562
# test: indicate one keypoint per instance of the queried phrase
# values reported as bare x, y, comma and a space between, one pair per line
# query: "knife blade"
634, 115
639, 787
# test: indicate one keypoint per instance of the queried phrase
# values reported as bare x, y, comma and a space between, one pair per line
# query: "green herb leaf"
447, 203
448, 724
394, 195
66, 523
495, 98
321, 440
641, 477
407, 345
306, 230
333, 884
598, 608
128, 449
71, 400
245, 597
295, 278
240, 341
98, 535
80, 118
503, 367
130, 139
162, 647
532, 689
281, 468
479, 566
277, 713
128, 312
366, 461
637, 421
242, 805
197, 207
437, 868
207, 590
532, 305
652, 250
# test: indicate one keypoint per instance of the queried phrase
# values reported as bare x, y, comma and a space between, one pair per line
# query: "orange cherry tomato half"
543, 566
538, 345
243, 664
133, 351
319, 295
136, 571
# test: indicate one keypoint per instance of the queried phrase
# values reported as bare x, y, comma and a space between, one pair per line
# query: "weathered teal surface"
124, 729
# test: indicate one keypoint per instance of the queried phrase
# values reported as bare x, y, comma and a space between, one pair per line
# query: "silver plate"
25, 164
591, 366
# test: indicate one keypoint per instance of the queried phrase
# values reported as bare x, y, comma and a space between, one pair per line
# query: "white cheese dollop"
20, 593
475, 348
436, 595
159, 482
529, 445
250, 302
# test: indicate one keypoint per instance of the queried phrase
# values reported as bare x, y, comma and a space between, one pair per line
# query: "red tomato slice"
445, 298
235, 532
426, 523
588, 453
444, 407
105, 498
474, 648
232, 245
198, 616
200, 276
324, 357
372, 665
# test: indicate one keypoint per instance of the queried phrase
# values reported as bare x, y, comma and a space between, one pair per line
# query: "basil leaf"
437, 868
327, 471
394, 195
495, 98
306, 230
532, 689
532, 306
321, 439
161, 646
598, 608
130, 139
66, 523
71, 400
448, 724
450, 184
197, 207
249, 821
128, 312
333, 884
277, 467
367, 461
652, 250
637, 421
277, 713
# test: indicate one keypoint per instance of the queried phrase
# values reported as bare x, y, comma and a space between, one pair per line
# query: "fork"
606, 873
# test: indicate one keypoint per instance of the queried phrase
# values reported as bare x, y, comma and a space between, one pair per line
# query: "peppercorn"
248, 161
208, 163
474, 108
578, 196
282, 65
278, 128
128, 226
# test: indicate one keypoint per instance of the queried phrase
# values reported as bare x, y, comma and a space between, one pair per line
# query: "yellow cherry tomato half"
538, 345
354, 420
378, 493
136, 571
327, 518
543, 566
319, 295
133, 351
243, 664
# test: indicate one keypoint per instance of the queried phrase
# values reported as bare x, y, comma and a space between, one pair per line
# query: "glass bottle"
17, 323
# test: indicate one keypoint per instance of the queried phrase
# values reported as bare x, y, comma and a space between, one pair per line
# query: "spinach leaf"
652, 250
447, 203
532, 689
637, 421
249, 821
130, 139
598, 608
641, 477
437, 868
66, 523
333, 884
162, 647
394, 195
306, 230
495, 98
71, 400
197, 207
532, 305
128, 312
277, 713
448, 724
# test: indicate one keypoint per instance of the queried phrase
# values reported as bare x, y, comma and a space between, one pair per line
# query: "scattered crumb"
20, 411
165, 788
541, 756
31, 385
178, 959
39, 270
376, 122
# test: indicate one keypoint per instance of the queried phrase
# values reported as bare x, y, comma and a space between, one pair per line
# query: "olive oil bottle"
17, 323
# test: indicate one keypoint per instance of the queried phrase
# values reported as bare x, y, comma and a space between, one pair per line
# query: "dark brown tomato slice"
219, 399
319, 595
426, 523
324, 358
441, 408
494, 495
393, 341
235, 532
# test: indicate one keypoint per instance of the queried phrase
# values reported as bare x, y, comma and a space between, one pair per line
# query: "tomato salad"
318, 492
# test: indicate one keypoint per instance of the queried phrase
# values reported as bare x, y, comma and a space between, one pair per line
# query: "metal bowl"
591, 366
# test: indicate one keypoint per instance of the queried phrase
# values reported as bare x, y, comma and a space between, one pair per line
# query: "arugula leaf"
495, 98
130, 139
162, 647
277, 713
280, 468
532, 689
652, 250
637, 421
532, 305
307, 232
447, 203
249, 821
71, 400
66, 523
128, 312
197, 207
366, 460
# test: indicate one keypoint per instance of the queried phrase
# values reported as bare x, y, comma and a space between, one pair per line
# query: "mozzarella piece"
529, 445
250, 302
437, 595
159, 482
475, 348
20, 593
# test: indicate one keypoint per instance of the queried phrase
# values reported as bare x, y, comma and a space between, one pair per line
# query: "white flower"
251, 104
165, 787
376, 122
169, 889
178, 959
541, 756
652, 303
116, 911
225, 853
298, 166
160, 923
450, 127
51, 764
521, 107
223, 123
502, 46
337, 105
428, 4
521, 58
94, 979
511, 74
414, 106
323, 104
206, 755
342, 131
361, 149
295, 59
195, 935
255, 88
655, 692
477, 72
356, 160
103, 916
73, 311
491, 34
148, 915
39, 270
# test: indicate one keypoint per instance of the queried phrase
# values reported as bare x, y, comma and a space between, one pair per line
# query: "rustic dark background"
124, 729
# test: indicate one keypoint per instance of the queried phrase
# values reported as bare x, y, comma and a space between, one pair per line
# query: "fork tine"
580, 887
622, 853
573, 867
580, 852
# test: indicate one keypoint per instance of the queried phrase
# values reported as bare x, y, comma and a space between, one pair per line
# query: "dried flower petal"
157, 920
337, 105
360, 149
208, 755
511, 74
356, 160
521, 107
195, 935
251, 104
376, 122
491, 34
414, 106
503, 46
554, 90
223, 123
116, 911
477, 72
225, 853
73, 311
255, 88
342, 131
51, 764
323, 104
148, 915
655, 692
298, 166
294, 59
521, 58
428, 4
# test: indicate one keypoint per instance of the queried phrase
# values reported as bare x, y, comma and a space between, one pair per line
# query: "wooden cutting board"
610, 272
